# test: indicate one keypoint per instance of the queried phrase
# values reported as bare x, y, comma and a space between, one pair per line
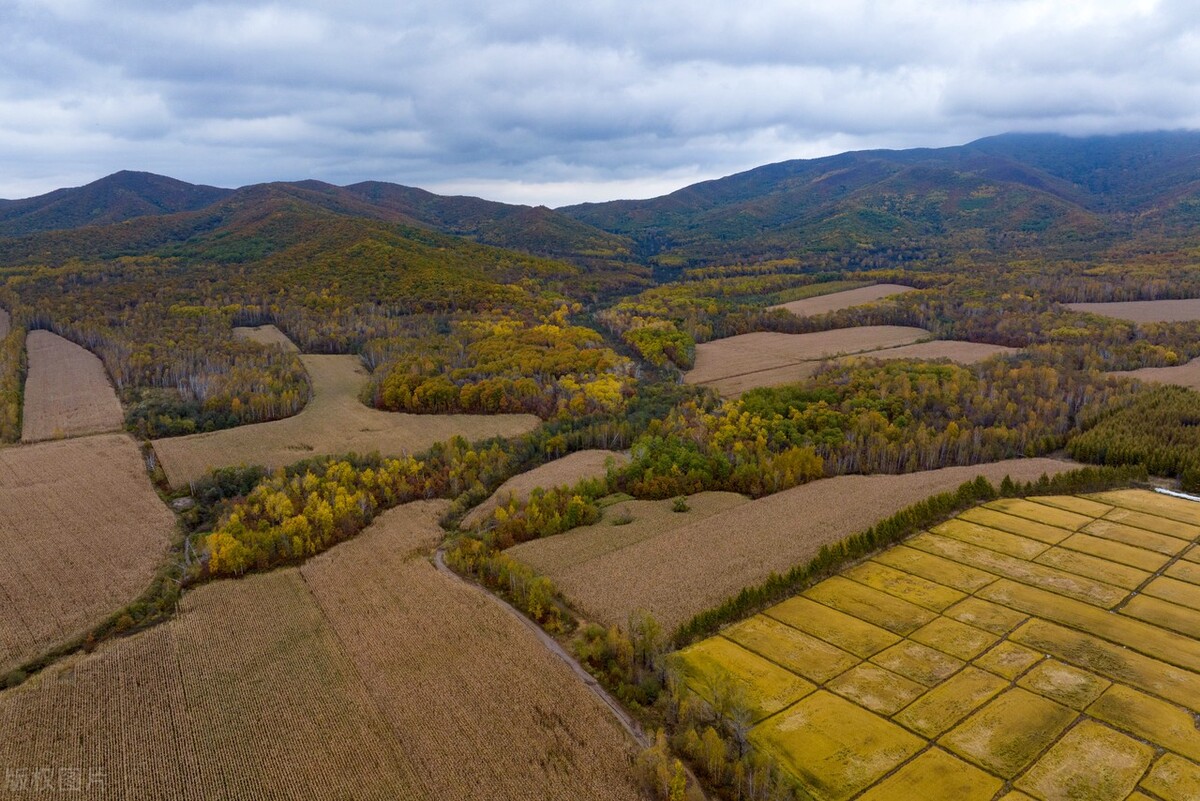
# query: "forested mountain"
120, 196
1013, 194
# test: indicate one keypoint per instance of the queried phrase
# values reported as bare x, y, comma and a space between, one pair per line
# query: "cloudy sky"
554, 101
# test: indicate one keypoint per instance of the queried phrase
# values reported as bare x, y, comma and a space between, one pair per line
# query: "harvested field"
759, 352
843, 300
677, 567
1183, 375
366, 674
333, 422
67, 392
266, 335
81, 535
1144, 311
567, 471
1047, 685
5, 323
952, 349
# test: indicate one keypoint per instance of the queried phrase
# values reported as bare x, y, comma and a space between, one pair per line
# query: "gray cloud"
541, 101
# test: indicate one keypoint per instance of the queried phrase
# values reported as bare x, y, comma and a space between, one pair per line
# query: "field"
333, 422
81, 534
1145, 311
567, 471
947, 667
677, 565
341, 679
5, 323
843, 300
1183, 375
736, 364
266, 335
67, 392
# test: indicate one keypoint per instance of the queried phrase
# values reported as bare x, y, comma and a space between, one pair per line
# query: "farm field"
81, 535
1144, 311
340, 679
333, 422
1183, 375
676, 566
5, 323
266, 335
947, 667
737, 364
849, 298
567, 471
67, 392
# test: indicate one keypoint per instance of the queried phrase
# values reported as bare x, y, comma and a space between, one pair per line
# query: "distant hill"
1006, 194
126, 196
121, 196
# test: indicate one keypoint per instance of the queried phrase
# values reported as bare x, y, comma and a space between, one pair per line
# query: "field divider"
1140, 589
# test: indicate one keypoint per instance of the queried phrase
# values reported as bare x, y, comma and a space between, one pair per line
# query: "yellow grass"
81, 535
1174, 779
677, 571
1041, 532
333, 422
67, 391
266, 335
846, 632
935, 774
1090, 763
1043, 513
1068, 685
951, 701
801, 653
1009, 732
1092, 567
990, 538
1008, 659
1149, 718
567, 471
984, 615
1156, 504
1164, 614
1074, 503
1144, 311
954, 638
767, 688
918, 662
873, 606
1138, 534
835, 301
1102, 545
833, 746
1111, 661
906, 586
1184, 571
738, 357
1182, 375
935, 568
1059, 581
875, 688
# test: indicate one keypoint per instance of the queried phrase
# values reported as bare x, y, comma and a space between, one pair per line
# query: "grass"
1072, 767
945, 705
1007, 734
914, 589
334, 422
803, 654
709, 666
1068, 685
875, 688
935, 774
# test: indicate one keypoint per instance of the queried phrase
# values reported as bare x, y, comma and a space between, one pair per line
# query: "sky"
553, 101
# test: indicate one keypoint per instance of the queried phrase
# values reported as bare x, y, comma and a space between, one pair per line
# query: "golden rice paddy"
1046, 648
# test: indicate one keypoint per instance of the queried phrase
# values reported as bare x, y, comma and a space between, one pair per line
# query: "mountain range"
1011, 194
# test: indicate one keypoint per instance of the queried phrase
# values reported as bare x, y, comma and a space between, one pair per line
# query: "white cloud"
552, 102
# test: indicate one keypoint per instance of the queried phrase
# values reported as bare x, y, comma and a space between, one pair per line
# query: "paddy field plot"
740, 363
836, 301
333, 422
677, 565
364, 674
1145, 311
1043, 680
266, 335
81, 534
567, 471
67, 391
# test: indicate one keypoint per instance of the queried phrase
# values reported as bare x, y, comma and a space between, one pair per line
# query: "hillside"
1009, 194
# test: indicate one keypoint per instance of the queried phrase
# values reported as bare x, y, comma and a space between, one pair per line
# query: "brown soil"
266, 335
567, 471
1183, 375
843, 300
1145, 311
